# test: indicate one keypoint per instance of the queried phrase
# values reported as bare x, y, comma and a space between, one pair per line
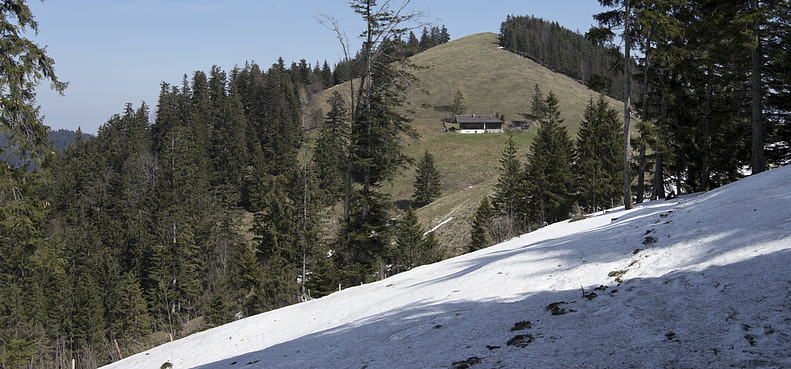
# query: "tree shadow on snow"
718, 306
729, 315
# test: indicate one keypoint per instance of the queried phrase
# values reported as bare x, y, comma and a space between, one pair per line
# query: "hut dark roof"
475, 118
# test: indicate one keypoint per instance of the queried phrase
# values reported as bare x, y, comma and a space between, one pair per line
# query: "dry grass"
492, 81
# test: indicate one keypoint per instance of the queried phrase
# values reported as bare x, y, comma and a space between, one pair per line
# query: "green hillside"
492, 81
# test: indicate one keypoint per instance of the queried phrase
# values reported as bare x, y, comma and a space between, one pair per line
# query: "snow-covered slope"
701, 281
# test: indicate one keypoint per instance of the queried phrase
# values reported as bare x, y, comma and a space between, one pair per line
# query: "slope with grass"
492, 81
700, 281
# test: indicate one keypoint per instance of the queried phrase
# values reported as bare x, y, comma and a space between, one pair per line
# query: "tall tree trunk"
706, 157
641, 175
627, 177
347, 190
304, 237
367, 81
757, 108
642, 165
659, 170
659, 182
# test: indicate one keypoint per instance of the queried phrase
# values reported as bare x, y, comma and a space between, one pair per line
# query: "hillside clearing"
492, 81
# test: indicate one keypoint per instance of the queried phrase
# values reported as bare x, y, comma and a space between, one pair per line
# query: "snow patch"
700, 281
438, 225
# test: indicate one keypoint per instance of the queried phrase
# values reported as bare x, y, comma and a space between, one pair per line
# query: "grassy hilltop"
492, 81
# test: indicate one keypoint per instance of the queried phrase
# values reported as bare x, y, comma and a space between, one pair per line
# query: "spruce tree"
428, 186
597, 151
623, 16
247, 280
280, 123
702, 69
185, 207
377, 128
408, 247
549, 177
426, 41
562, 50
219, 293
228, 150
479, 234
23, 64
132, 322
331, 151
29, 256
275, 134
444, 35
286, 234
777, 62
508, 196
326, 75
276, 228
538, 105
457, 105
413, 45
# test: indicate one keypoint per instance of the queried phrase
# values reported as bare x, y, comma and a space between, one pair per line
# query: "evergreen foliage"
412, 245
141, 237
622, 16
307, 197
479, 234
247, 280
365, 238
428, 185
32, 263
458, 106
404, 42
433, 37
775, 62
429, 37
276, 238
23, 64
509, 192
142, 229
59, 140
538, 106
326, 75
375, 147
598, 150
549, 177
331, 152
561, 50
705, 75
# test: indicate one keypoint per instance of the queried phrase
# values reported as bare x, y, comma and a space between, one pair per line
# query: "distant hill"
565, 51
492, 81
61, 139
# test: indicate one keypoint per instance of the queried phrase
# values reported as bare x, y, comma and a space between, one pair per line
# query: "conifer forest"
225, 199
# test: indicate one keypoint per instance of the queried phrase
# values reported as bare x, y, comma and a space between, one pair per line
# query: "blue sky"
118, 51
